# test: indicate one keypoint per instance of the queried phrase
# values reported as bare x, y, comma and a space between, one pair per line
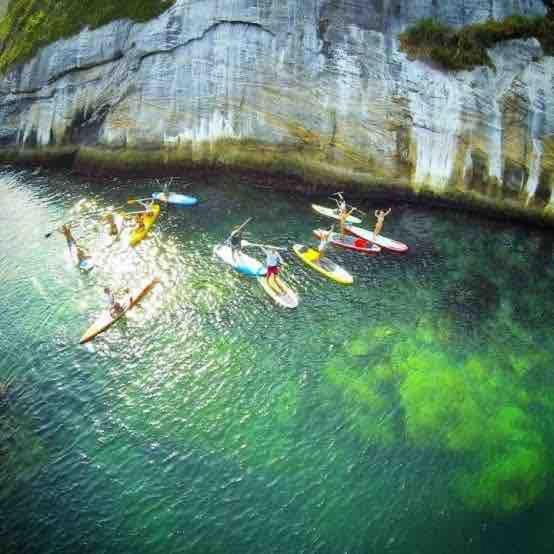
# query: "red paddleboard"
383, 242
350, 242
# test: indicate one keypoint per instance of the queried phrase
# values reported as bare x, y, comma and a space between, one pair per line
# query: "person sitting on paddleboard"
273, 263
380, 215
115, 307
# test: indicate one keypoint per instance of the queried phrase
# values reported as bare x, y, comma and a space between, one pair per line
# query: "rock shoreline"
100, 163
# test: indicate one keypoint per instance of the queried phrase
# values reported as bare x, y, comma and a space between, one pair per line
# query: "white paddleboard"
334, 213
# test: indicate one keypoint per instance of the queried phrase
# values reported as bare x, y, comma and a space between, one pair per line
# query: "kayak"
149, 220
380, 240
243, 263
334, 213
106, 320
83, 265
287, 299
323, 265
175, 198
350, 242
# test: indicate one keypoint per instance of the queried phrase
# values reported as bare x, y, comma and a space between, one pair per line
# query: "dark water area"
410, 412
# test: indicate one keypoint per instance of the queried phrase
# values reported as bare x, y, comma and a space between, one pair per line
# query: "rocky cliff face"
317, 88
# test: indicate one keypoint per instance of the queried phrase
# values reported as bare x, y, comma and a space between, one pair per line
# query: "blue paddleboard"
174, 198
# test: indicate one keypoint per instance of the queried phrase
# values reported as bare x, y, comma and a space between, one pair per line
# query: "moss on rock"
466, 48
28, 25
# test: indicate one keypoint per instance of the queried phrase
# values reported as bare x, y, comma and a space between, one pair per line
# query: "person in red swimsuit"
273, 263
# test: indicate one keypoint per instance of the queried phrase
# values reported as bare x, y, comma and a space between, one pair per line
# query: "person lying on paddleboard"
273, 263
380, 215
65, 229
115, 307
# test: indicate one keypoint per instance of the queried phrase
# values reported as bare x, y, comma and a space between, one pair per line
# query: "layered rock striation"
317, 89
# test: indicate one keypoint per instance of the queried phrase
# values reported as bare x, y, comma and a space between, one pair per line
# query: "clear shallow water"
411, 412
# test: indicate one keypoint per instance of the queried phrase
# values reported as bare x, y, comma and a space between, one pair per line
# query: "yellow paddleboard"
323, 265
149, 219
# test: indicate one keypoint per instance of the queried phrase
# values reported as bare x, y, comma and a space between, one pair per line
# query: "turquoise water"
410, 412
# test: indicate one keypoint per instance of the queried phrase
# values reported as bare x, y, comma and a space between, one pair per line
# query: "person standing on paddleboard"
343, 216
273, 263
235, 242
65, 229
380, 215
109, 218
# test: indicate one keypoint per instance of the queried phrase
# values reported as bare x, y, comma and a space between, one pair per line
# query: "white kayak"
380, 240
334, 213
287, 298
175, 198
242, 263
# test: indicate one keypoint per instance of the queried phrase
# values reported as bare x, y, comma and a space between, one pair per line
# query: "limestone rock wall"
319, 84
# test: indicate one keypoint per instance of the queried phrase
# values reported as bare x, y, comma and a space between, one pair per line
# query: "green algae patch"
29, 25
482, 409
466, 48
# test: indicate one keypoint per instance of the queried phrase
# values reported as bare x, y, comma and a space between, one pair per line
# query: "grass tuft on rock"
29, 25
466, 48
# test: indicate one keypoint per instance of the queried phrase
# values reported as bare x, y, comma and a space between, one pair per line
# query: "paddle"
340, 195
139, 200
241, 227
358, 210
70, 223
135, 213
247, 243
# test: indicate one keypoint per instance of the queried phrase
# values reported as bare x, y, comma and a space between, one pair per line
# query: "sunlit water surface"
407, 413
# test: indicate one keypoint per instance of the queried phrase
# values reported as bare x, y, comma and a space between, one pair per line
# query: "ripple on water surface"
210, 420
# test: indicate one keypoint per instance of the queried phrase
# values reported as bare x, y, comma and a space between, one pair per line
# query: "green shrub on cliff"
466, 48
30, 24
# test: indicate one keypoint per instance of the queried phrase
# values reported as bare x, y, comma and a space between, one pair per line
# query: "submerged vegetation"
30, 24
466, 48
489, 410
